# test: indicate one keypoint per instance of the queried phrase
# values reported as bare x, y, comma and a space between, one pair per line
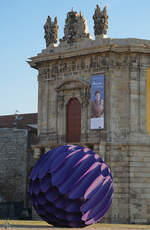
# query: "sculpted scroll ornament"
51, 31
100, 21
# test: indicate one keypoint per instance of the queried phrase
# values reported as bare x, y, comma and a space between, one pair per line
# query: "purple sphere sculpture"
71, 186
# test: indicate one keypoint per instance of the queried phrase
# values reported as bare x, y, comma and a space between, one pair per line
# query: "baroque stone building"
64, 107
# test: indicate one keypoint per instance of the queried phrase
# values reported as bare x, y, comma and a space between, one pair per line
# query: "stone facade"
65, 72
13, 149
16, 161
13, 172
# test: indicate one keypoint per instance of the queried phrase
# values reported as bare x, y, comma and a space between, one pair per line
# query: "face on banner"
97, 102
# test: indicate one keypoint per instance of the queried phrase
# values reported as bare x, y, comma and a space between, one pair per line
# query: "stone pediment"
73, 84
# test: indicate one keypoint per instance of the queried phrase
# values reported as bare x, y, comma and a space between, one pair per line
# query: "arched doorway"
73, 120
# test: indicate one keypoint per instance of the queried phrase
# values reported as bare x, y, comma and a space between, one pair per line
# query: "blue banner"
97, 102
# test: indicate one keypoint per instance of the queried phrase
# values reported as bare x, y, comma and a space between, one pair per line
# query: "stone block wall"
13, 164
139, 184
117, 157
131, 178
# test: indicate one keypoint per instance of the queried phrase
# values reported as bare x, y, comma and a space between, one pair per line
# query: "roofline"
19, 114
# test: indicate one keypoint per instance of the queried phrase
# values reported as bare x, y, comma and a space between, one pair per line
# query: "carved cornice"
88, 47
94, 64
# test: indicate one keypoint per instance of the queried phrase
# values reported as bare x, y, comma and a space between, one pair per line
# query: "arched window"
73, 120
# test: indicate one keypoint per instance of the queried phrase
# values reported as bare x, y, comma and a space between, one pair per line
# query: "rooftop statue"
75, 27
100, 21
51, 31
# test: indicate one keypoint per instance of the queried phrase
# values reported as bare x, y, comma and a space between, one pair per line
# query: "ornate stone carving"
43, 73
72, 85
100, 21
85, 96
75, 27
94, 63
51, 31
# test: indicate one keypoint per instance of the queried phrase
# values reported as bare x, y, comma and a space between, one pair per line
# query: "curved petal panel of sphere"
71, 186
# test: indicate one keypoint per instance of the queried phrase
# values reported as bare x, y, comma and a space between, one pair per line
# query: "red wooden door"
73, 120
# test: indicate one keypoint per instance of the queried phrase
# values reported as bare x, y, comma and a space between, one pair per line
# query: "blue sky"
22, 36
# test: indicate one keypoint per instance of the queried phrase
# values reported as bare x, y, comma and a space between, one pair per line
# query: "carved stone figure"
100, 21
75, 27
51, 31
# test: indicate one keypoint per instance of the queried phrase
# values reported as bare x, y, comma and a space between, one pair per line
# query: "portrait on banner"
97, 102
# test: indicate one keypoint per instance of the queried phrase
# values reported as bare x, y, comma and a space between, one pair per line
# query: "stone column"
102, 150
45, 107
39, 106
85, 96
60, 115
134, 98
142, 99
